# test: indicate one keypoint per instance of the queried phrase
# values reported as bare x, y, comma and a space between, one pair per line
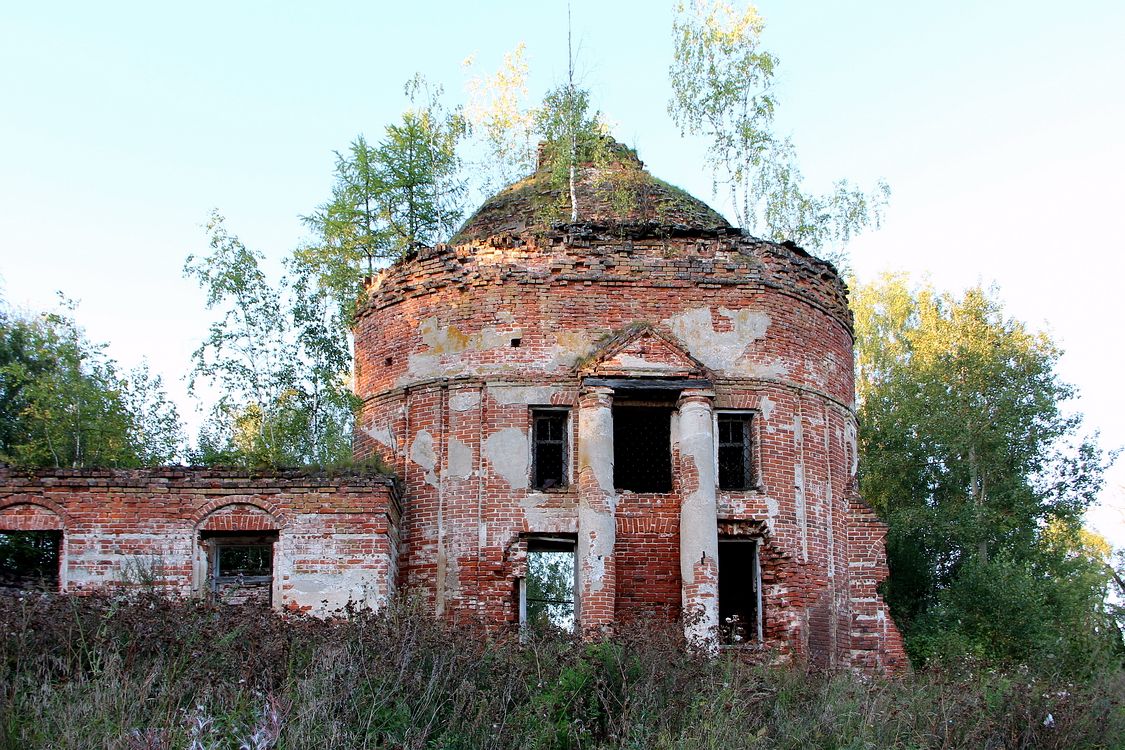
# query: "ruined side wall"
876, 643
336, 535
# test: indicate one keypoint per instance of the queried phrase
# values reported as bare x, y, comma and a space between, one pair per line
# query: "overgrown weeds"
152, 674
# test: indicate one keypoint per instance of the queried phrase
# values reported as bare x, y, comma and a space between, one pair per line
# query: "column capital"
598, 394
703, 396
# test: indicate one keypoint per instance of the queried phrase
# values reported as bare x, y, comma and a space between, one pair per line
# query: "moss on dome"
620, 192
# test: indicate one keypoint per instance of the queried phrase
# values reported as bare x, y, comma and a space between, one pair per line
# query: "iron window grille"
239, 558
550, 448
642, 448
736, 451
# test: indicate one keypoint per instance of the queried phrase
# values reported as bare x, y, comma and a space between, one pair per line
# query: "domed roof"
620, 192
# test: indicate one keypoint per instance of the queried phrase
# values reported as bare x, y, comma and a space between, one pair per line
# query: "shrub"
153, 674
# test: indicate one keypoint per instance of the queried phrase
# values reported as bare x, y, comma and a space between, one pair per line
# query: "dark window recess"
245, 561
516, 342
548, 590
241, 566
29, 560
550, 441
738, 591
736, 467
642, 448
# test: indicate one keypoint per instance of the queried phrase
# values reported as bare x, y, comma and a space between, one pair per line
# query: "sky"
998, 126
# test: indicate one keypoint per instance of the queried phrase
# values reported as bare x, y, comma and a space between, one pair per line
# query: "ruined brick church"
646, 413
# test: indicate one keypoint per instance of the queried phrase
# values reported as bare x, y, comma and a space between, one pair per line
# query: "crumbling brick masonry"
644, 414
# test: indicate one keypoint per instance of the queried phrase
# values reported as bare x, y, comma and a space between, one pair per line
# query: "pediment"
642, 352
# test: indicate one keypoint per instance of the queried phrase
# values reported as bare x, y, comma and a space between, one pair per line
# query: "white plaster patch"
422, 453
444, 341
719, 350
773, 369
542, 517
459, 463
507, 452
851, 447
599, 544
642, 365
464, 400
767, 406
521, 394
571, 346
595, 447
381, 434
772, 511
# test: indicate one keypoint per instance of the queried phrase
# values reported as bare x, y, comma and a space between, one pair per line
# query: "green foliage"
420, 169
29, 560
64, 404
550, 589
350, 228
969, 457
502, 123
278, 356
721, 81
572, 136
392, 197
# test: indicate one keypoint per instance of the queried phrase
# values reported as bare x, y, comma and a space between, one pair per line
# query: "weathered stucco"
719, 349
507, 454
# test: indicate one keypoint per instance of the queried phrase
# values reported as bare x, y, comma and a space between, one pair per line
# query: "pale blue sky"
997, 124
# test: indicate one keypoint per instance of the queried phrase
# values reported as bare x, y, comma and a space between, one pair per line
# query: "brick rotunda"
645, 413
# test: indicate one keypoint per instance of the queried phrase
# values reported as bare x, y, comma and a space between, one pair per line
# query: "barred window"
240, 566
642, 448
736, 464
549, 452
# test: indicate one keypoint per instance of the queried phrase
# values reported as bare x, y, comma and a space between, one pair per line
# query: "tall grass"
152, 674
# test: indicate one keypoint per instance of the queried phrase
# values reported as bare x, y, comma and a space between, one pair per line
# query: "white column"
597, 502
699, 532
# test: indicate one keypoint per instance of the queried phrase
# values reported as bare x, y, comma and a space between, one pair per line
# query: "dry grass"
150, 674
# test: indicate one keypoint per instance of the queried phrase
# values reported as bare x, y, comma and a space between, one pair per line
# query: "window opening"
547, 593
549, 458
244, 561
240, 566
739, 592
736, 465
29, 560
642, 448
516, 342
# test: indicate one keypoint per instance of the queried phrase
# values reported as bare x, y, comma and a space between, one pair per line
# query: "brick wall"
336, 537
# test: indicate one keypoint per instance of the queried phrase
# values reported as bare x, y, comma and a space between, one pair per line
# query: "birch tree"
722, 81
